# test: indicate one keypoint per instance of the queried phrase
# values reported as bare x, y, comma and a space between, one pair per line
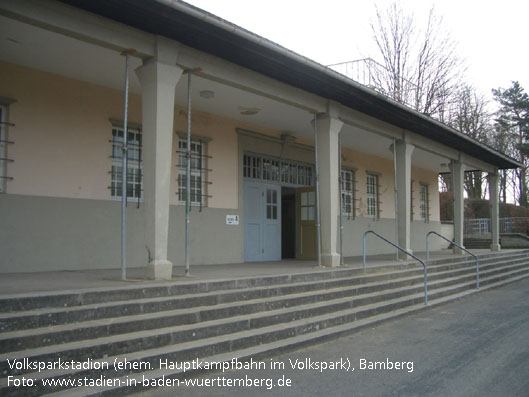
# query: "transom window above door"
271, 169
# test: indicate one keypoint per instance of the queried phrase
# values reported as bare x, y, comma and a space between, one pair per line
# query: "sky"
491, 36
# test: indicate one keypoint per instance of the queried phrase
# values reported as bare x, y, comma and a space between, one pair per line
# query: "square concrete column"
403, 153
458, 192
328, 130
158, 81
494, 211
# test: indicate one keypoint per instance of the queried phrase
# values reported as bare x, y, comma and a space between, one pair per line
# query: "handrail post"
477, 273
457, 245
364, 249
427, 247
425, 285
402, 250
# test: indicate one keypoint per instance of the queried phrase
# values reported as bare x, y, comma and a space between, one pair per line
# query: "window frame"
307, 205
350, 193
372, 196
3, 147
5, 104
198, 158
134, 164
424, 205
280, 171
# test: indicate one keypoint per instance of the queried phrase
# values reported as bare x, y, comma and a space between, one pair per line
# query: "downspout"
396, 190
318, 226
188, 176
124, 171
341, 198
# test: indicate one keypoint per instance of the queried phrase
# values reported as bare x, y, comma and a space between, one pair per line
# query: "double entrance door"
268, 230
262, 214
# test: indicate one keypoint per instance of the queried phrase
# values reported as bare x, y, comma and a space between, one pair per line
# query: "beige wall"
362, 164
62, 138
62, 162
62, 145
430, 179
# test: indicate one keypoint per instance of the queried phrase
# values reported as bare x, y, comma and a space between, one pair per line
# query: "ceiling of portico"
35, 47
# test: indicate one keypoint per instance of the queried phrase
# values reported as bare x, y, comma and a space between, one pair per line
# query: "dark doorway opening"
288, 223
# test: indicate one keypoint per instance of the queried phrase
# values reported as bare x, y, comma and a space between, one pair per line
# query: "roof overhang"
203, 31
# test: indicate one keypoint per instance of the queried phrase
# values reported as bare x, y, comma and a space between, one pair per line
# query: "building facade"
257, 113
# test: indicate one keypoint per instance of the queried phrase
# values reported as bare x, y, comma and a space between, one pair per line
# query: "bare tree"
420, 66
502, 141
468, 114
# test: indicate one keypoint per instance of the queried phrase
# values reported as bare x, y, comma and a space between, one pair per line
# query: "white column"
158, 81
403, 155
458, 173
328, 130
494, 211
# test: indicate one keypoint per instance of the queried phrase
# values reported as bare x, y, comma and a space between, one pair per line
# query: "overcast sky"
491, 35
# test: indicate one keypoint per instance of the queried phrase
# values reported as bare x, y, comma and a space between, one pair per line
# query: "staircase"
123, 334
477, 243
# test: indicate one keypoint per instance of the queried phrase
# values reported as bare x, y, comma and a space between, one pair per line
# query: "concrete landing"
21, 283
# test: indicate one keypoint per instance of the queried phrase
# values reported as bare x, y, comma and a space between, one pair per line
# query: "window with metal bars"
3, 137
372, 196
198, 181
134, 164
348, 193
275, 170
423, 202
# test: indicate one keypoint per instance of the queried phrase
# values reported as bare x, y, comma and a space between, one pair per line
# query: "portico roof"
208, 33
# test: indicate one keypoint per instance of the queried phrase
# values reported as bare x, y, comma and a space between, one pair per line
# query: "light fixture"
207, 94
287, 138
248, 111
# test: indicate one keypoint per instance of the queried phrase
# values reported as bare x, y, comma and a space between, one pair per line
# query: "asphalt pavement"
475, 346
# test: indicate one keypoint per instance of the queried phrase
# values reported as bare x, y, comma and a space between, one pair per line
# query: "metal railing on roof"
374, 75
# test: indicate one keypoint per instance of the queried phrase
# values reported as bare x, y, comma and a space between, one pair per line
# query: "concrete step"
287, 296
22, 302
44, 317
127, 383
254, 338
300, 308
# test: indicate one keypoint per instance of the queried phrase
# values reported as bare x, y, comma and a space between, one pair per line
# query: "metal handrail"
402, 250
457, 245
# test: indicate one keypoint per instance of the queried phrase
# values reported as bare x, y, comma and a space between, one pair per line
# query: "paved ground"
23, 283
476, 346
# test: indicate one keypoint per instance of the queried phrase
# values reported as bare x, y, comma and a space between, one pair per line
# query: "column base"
402, 256
330, 260
160, 269
457, 250
495, 247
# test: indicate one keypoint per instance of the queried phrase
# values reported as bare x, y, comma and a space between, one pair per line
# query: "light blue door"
262, 222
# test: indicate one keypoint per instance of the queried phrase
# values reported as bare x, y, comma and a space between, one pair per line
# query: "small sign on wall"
232, 219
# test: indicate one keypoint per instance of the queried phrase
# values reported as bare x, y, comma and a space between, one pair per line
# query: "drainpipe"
318, 226
341, 198
124, 171
188, 175
396, 198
